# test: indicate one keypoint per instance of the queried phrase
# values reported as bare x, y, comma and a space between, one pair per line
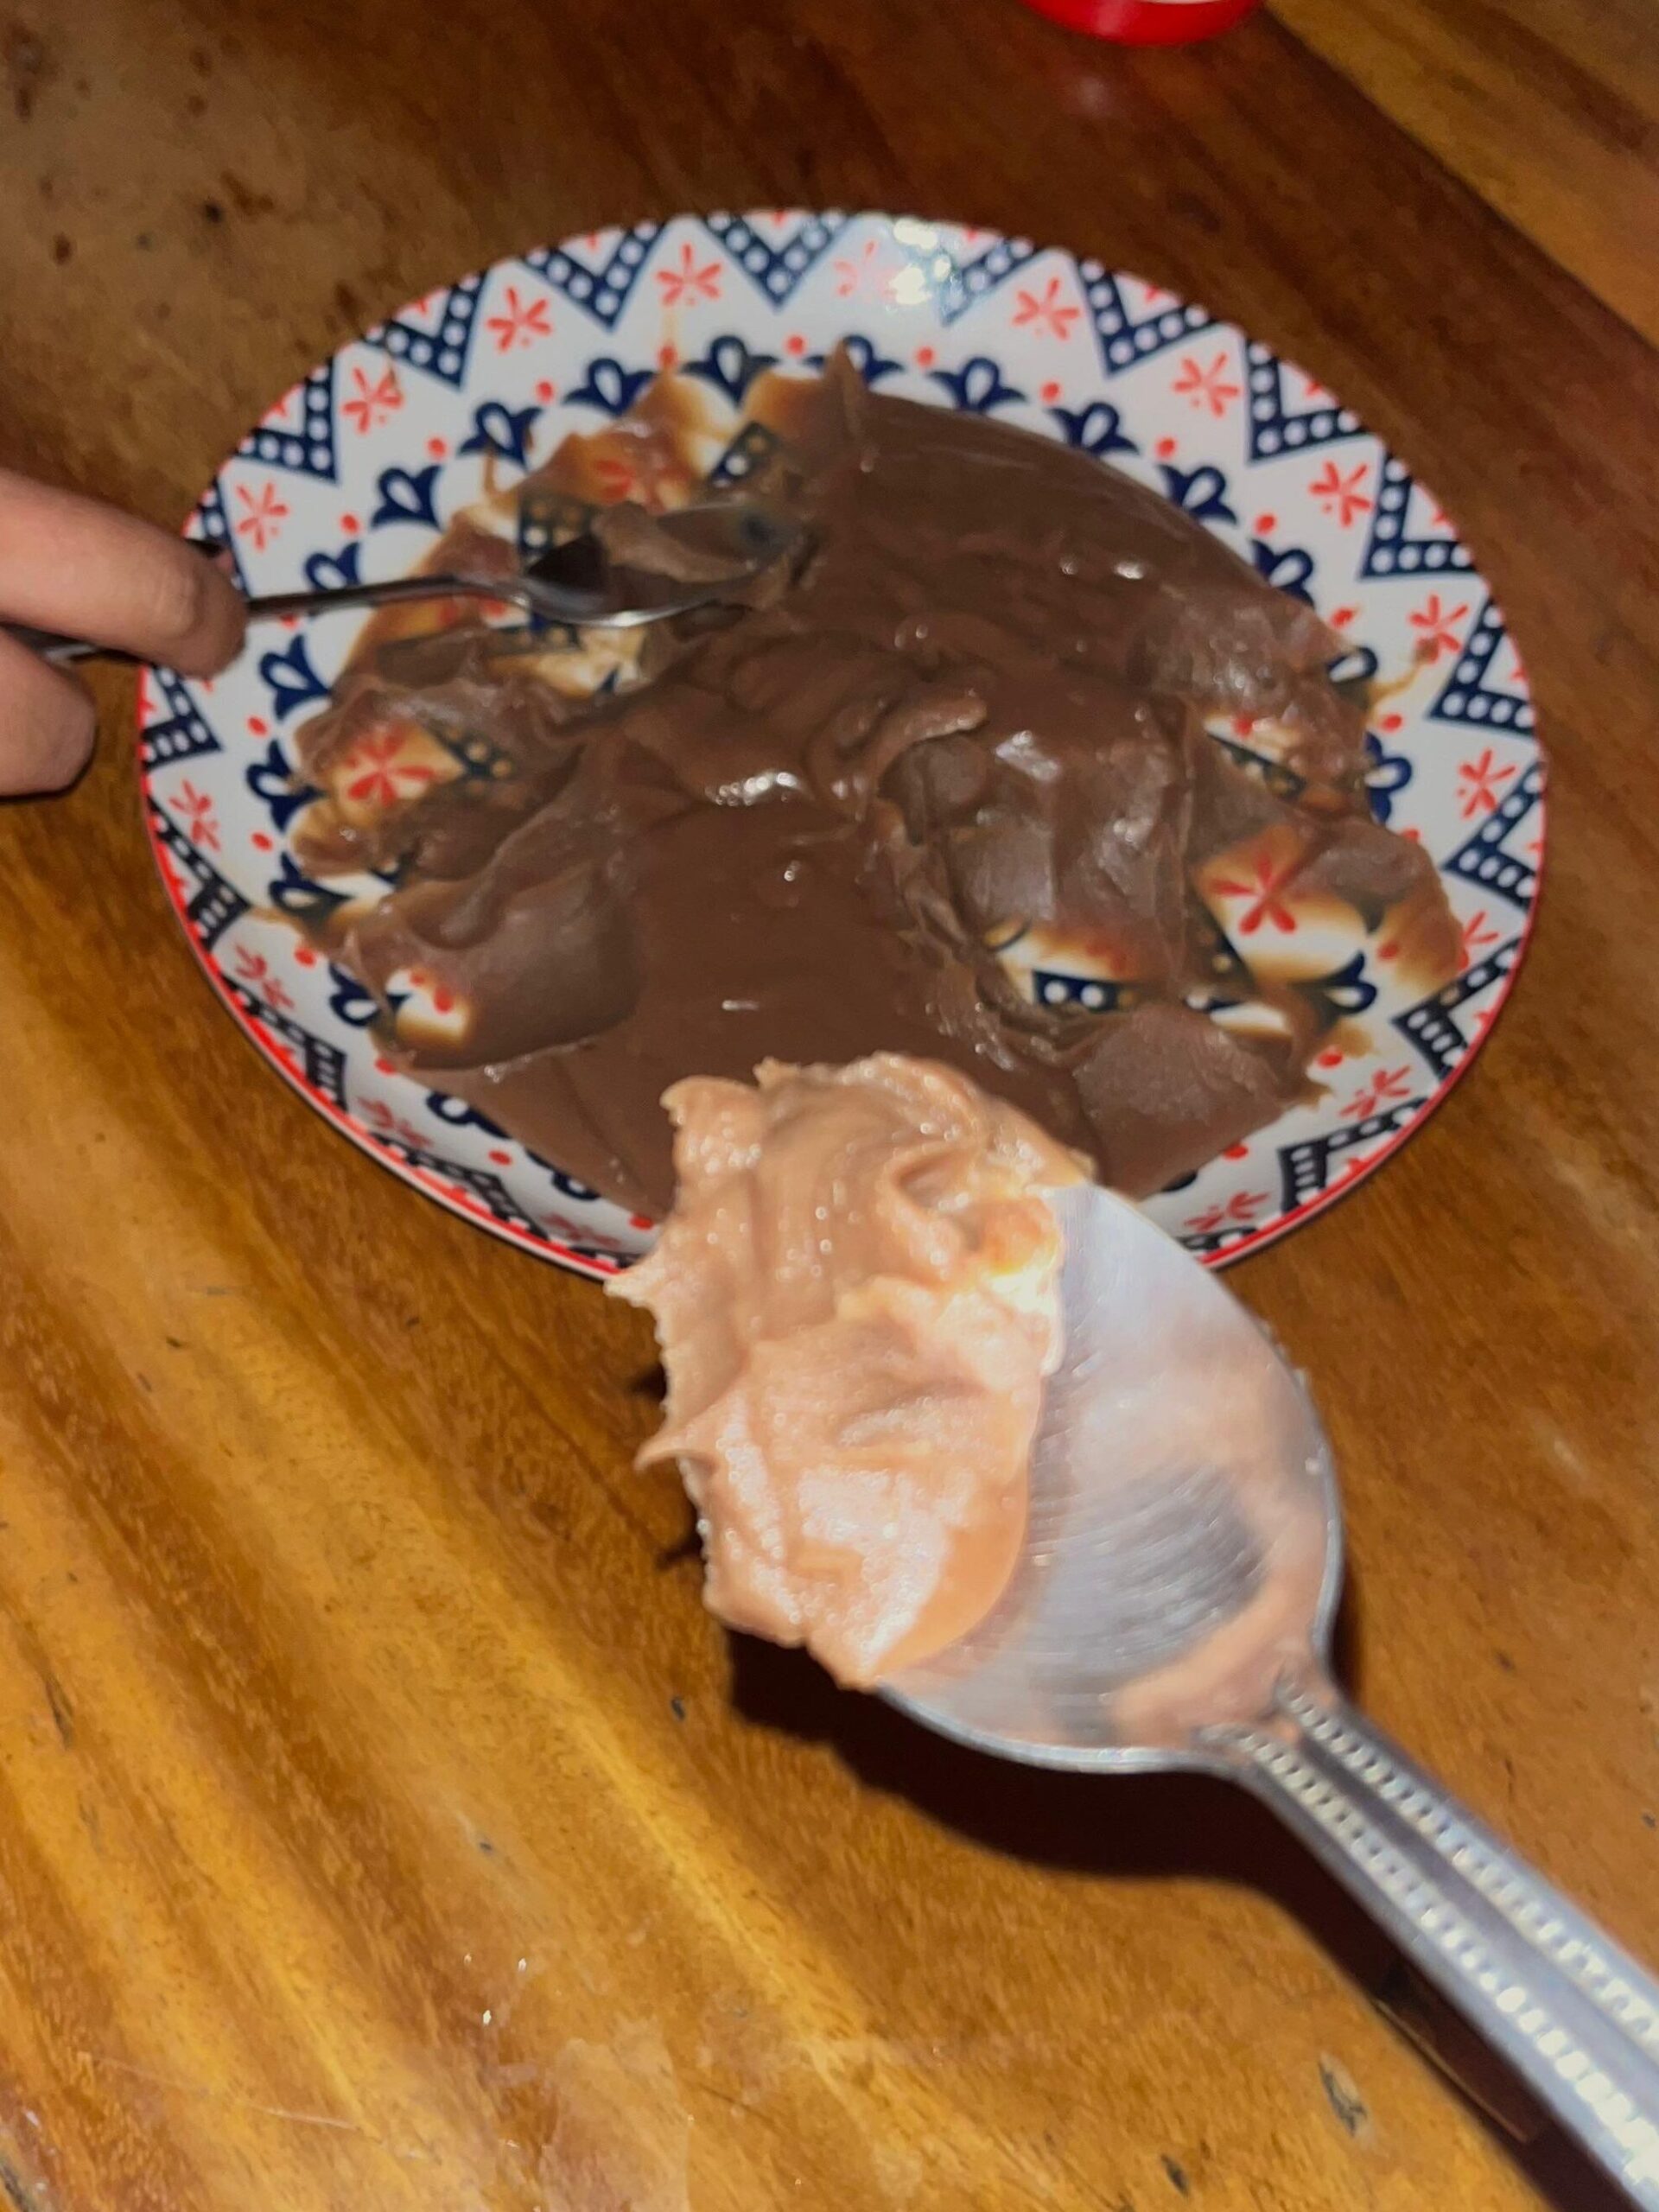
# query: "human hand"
76, 565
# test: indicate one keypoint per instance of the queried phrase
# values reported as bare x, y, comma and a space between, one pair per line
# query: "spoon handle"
1574, 2015
65, 652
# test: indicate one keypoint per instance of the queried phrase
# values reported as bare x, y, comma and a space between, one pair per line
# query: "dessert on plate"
1014, 716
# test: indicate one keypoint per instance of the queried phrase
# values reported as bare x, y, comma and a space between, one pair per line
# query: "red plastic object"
1148, 22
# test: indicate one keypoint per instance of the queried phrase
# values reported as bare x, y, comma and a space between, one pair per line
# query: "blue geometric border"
310, 449
970, 281
1482, 858
1467, 697
602, 292
1305, 1168
1389, 551
1275, 428
1122, 340
777, 268
215, 904
184, 736
1430, 1026
440, 352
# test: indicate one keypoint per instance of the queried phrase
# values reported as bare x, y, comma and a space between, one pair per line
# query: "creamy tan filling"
857, 1298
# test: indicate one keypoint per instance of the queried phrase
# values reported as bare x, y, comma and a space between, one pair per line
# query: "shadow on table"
1154, 1825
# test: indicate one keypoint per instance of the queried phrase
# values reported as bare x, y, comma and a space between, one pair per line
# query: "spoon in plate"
1173, 1609
625, 571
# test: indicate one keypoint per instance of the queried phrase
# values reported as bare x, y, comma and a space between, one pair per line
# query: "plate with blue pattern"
440, 410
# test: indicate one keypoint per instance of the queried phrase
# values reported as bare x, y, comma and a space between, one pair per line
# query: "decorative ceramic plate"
359, 468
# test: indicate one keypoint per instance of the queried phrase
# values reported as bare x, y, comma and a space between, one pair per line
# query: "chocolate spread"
974, 734
857, 1296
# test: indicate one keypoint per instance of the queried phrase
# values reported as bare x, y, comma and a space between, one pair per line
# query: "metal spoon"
1174, 1608
581, 583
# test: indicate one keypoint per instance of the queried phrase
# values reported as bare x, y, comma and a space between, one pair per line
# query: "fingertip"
219, 622
212, 616
47, 725
74, 734
74, 564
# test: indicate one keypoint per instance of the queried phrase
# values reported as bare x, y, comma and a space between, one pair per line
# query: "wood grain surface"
1548, 108
382, 1822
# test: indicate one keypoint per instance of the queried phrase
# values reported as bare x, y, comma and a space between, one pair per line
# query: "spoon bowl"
1174, 1607
1184, 1541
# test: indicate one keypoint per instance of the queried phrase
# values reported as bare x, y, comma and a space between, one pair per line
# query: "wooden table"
382, 1822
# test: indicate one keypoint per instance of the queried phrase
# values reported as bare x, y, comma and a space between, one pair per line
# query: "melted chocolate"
975, 722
